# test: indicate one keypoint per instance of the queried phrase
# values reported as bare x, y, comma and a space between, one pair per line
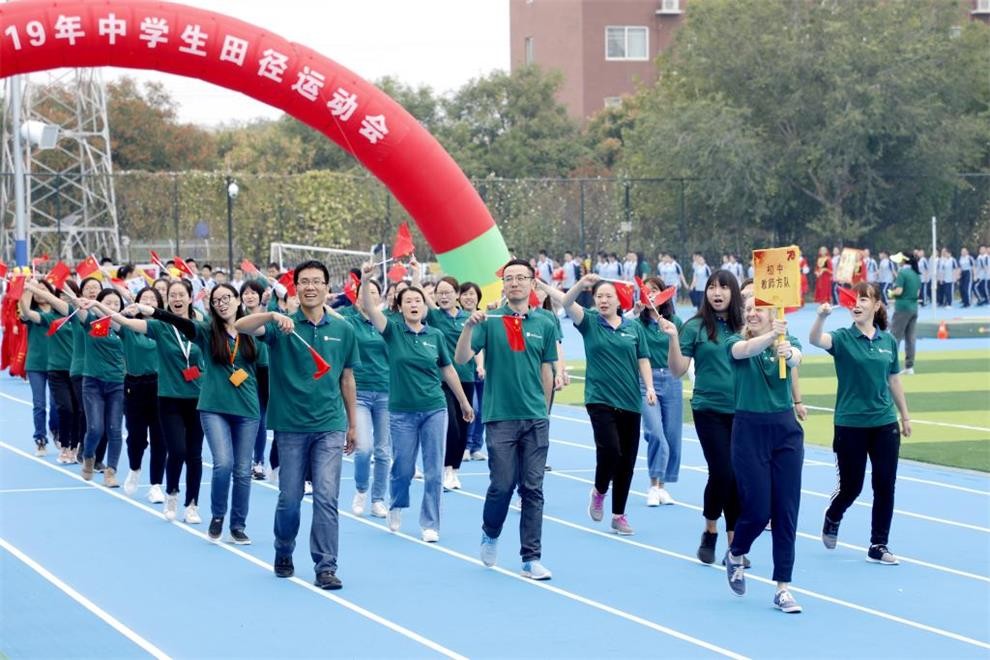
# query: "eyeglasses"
223, 300
518, 278
308, 283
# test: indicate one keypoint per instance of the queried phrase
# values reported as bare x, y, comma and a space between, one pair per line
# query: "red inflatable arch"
173, 38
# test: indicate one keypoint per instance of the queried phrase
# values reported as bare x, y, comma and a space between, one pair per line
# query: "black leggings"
852, 446
184, 439
714, 431
69, 409
457, 428
141, 417
616, 444
81, 416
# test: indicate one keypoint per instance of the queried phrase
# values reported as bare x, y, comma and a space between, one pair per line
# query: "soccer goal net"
337, 261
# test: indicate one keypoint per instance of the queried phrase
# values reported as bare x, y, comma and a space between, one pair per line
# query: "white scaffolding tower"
71, 209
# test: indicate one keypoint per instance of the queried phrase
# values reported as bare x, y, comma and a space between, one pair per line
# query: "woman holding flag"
31, 308
419, 361
617, 358
867, 366
767, 448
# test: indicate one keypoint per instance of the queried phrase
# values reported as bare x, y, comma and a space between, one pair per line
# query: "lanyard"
237, 345
186, 348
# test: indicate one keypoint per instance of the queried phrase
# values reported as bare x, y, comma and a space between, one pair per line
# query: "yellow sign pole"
780, 339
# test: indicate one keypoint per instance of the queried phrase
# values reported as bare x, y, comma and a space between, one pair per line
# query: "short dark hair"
272, 264
312, 264
106, 260
520, 262
402, 294
466, 286
191, 260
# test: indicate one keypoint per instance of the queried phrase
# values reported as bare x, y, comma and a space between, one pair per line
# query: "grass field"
949, 400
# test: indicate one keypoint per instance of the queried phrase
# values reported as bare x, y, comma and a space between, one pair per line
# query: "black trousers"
69, 408
141, 417
714, 431
457, 428
965, 284
616, 444
852, 446
184, 441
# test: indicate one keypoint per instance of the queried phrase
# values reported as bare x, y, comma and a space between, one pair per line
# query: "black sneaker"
879, 554
746, 562
830, 533
239, 537
706, 551
216, 529
735, 574
327, 580
284, 567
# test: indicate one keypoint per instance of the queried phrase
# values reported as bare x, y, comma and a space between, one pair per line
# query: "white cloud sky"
440, 43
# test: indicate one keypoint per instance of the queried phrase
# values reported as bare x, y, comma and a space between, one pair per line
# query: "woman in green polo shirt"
905, 293
419, 361
252, 294
449, 319
703, 339
618, 358
31, 308
867, 367
767, 448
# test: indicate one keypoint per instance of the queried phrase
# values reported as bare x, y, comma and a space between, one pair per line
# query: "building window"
626, 43
982, 7
613, 102
669, 7
530, 52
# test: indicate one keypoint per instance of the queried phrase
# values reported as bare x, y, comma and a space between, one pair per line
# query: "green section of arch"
478, 259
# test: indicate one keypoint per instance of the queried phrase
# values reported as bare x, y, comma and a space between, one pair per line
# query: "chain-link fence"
188, 214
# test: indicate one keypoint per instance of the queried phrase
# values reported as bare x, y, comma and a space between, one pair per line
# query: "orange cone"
943, 331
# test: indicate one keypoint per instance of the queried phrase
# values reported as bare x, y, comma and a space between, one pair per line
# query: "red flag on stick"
534, 300
321, 365
513, 332
249, 267
89, 267
847, 297
16, 288
644, 294
58, 323
286, 281
624, 291
37, 261
155, 259
663, 296
58, 274
182, 267
3, 269
100, 327
351, 288
403, 245
397, 272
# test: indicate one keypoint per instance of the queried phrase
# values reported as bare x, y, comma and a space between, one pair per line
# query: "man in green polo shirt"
519, 349
905, 292
314, 419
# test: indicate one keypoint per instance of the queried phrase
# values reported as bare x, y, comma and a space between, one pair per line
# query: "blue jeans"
372, 431
324, 452
517, 452
39, 403
410, 430
261, 437
231, 439
104, 405
476, 432
662, 426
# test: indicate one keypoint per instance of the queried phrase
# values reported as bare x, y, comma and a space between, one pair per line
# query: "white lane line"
813, 594
812, 493
915, 420
810, 537
105, 616
4, 491
357, 609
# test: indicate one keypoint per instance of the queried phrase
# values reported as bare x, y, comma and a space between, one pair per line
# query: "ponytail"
880, 317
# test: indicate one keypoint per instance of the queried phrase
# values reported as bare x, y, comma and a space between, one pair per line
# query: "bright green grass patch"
957, 394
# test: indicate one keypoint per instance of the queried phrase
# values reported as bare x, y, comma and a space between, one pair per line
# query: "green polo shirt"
513, 388
37, 349
862, 366
140, 355
713, 374
658, 342
612, 354
910, 282
104, 355
78, 345
217, 394
759, 387
372, 374
59, 344
262, 347
300, 403
415, 359
171, 344
451, 326
348, 311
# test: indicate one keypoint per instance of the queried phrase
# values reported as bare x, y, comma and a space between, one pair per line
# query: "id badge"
191, 373
238, 377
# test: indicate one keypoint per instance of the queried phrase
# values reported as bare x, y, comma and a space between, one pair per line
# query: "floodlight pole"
20, 217
232, 191
933, 270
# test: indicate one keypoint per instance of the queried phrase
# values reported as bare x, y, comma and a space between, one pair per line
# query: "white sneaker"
431, 535
534, 570
357, 504
131, 482
479, 455
191, 516
457, 481
40, 447
448, 478
394, 519
467, 455
378, 510
907, 372
273, 476
308, 488
155, 494
653, 496
65, 456
665, 497
518, 503
171, 506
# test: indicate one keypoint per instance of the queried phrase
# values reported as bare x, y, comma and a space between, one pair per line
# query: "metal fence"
187, 214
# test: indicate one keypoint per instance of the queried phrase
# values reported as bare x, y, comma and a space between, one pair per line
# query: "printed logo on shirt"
325, 338
885, 350
534, 335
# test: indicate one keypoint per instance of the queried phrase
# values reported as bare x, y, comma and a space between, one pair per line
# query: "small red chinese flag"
624, 291
16, 288
847, 297
403, 245
664, 296
644, 293
89, 267
351, 288
322, 366
3, 269
182, 266
37, 261
155, 259
397, 272
498, 273
56, 324
58, 274
100, 327
514, 333
534, 300
249, 267
558, 275
286, 281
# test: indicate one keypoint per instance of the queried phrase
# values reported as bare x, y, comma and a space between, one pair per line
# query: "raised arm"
463, 352
57, 303
817, 337
568, 301
750, 347
24, 306
375, 315
254, 324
